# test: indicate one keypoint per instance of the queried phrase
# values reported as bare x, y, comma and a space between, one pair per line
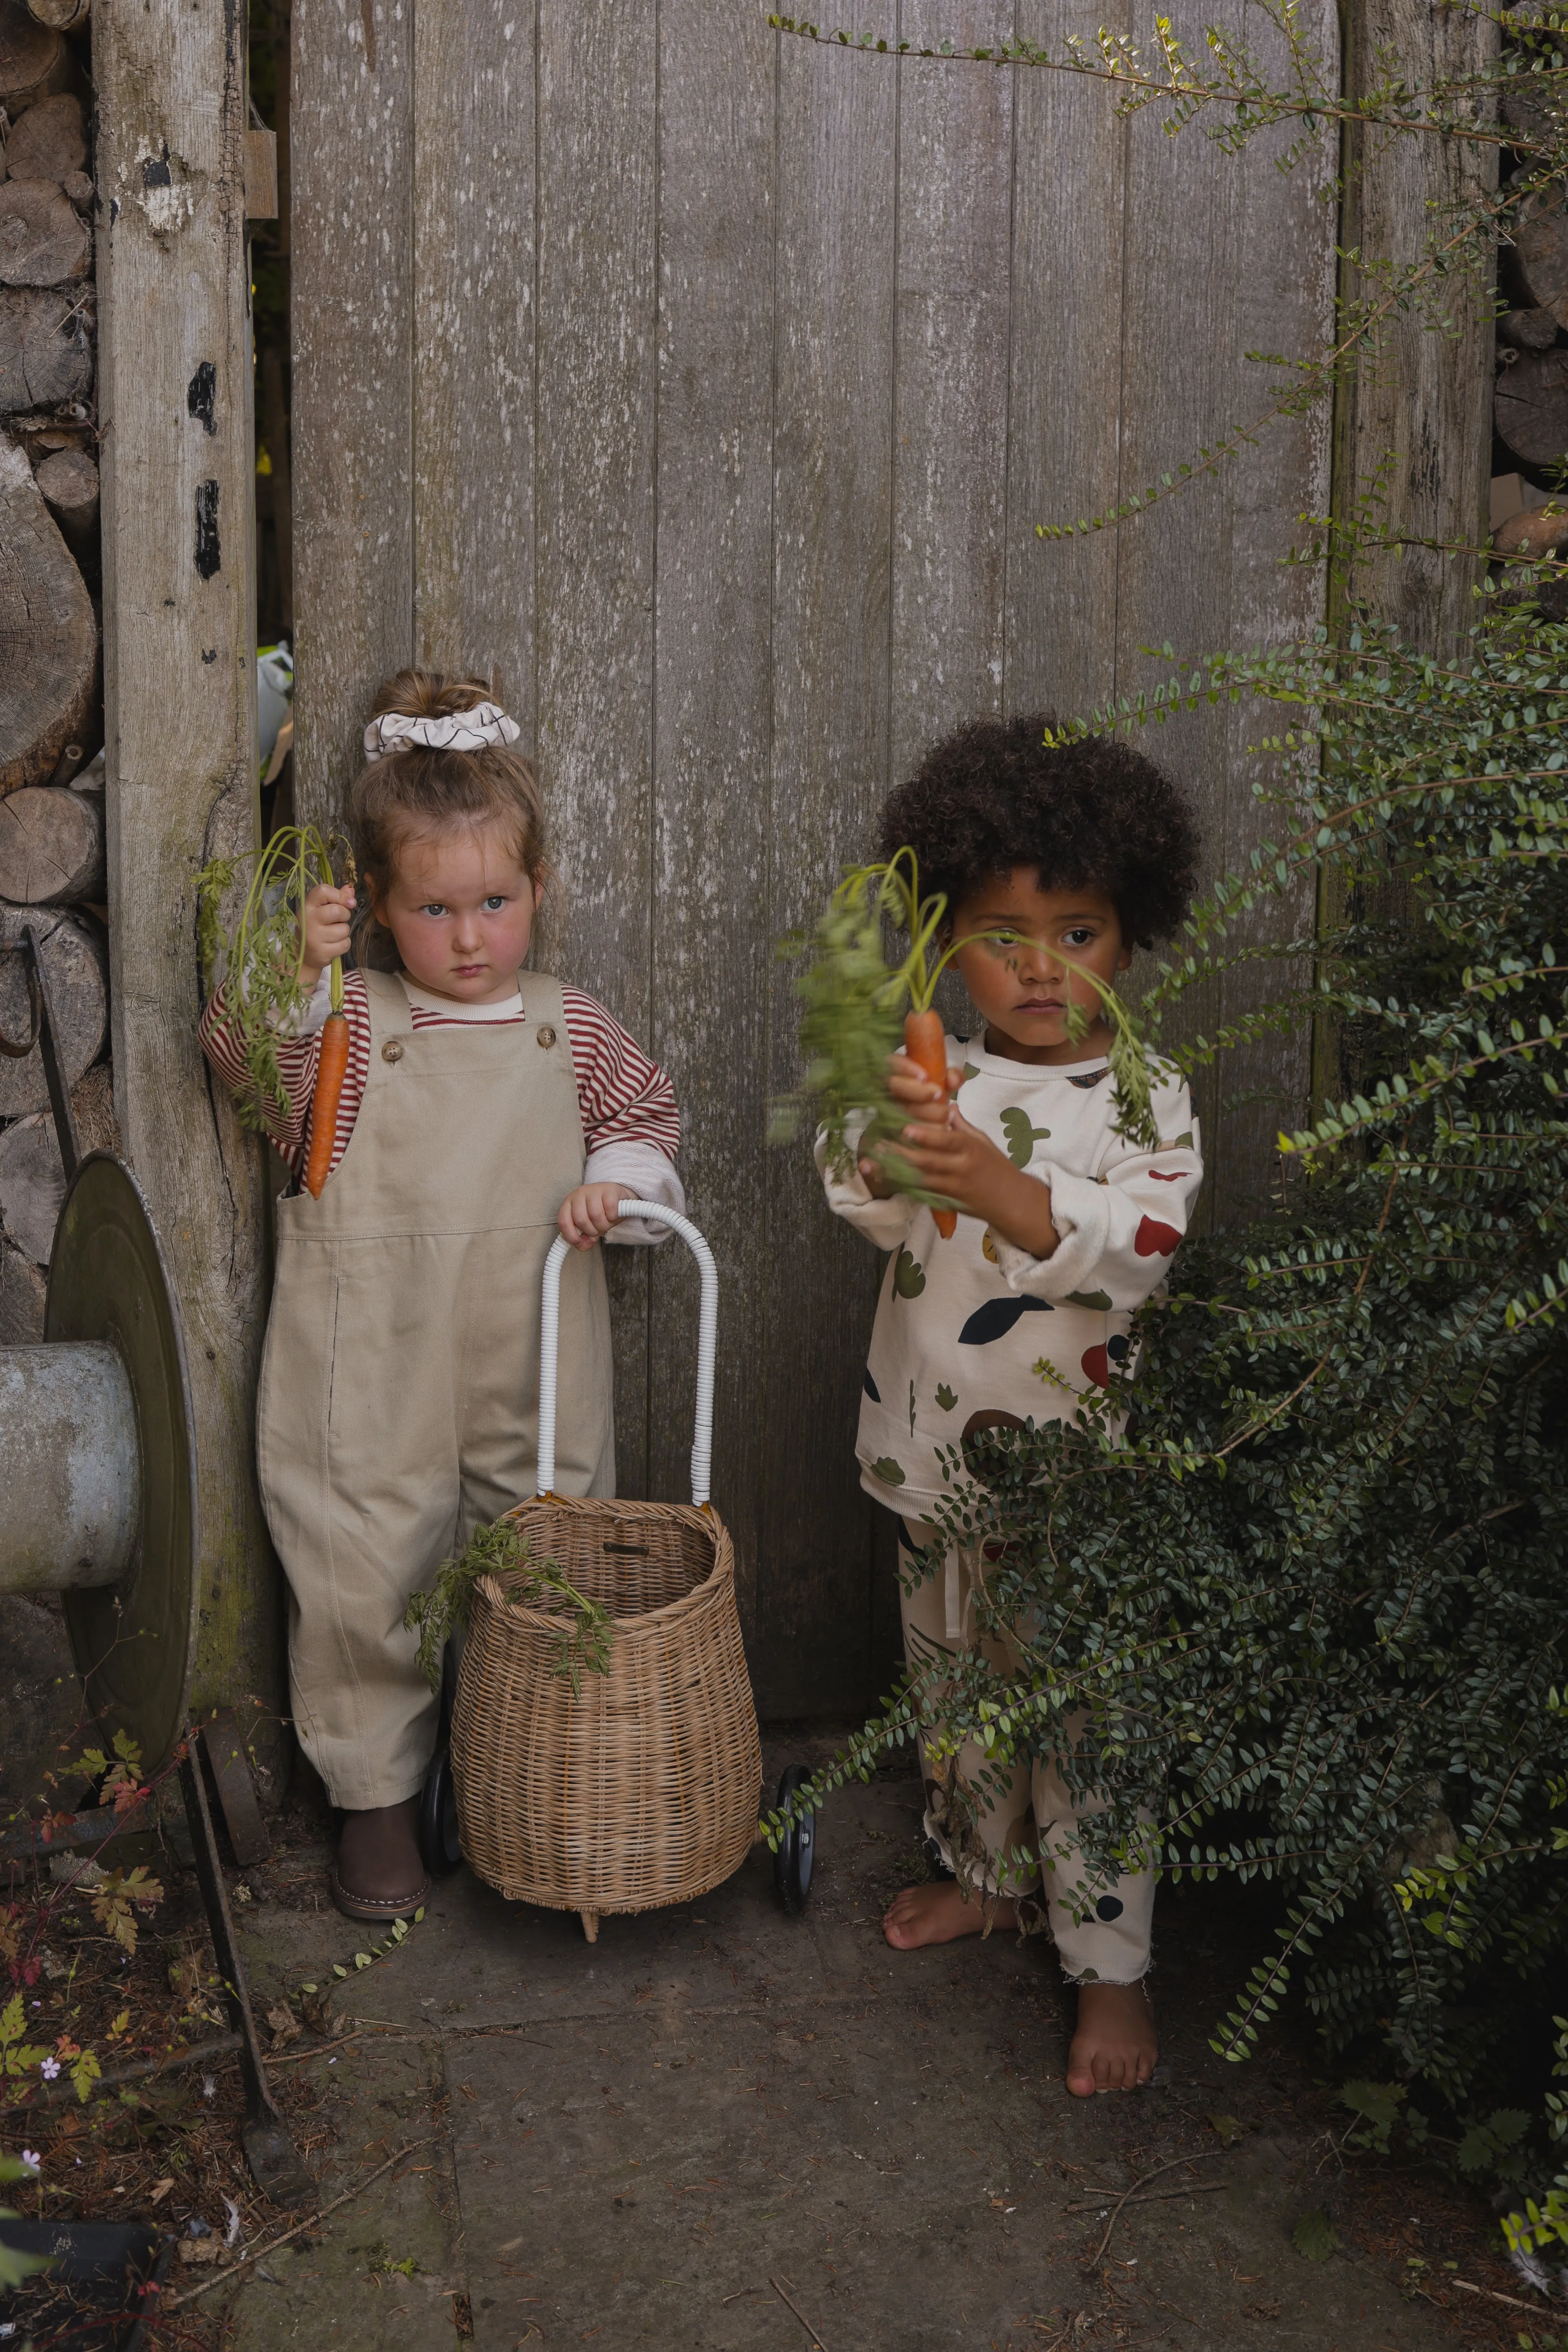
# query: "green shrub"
1311, 1605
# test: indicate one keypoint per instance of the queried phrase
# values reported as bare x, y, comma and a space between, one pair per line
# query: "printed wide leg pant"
1016, 1826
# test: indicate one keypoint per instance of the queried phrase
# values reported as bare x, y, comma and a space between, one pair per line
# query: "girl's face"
461, 910
1024, 982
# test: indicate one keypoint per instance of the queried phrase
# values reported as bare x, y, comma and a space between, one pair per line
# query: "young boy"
1076, 854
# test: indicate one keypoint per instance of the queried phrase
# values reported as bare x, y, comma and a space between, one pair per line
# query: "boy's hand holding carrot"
324, 929
955, 1158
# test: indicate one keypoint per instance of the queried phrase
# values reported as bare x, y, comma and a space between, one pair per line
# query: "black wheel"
793, 1862
438, 1846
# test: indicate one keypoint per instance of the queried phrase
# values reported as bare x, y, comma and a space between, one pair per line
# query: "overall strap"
391, 1014
542, 1002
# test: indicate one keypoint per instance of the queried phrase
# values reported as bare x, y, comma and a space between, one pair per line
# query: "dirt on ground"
725, 2127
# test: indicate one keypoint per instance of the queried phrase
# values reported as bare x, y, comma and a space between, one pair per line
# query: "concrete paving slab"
655, 2140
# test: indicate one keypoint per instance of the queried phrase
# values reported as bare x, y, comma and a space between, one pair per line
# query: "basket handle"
707, 1346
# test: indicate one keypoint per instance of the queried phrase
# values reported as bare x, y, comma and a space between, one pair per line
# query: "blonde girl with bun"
485, 1108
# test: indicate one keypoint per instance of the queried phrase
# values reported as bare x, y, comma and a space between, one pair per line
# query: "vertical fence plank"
352, 153
594, 585
1065, 397
178, 462
1285, 303
1174, 585
1426, 412
949, 399
834, 360
712, 933
473, 342
1236, 267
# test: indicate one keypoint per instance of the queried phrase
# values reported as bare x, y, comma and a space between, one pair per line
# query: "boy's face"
1025, 981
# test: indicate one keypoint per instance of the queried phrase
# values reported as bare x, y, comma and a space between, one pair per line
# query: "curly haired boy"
1068, 857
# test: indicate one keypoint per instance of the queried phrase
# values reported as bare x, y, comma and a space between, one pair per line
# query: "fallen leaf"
1315, 2235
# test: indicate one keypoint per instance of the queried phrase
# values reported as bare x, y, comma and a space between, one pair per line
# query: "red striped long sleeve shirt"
631, 1125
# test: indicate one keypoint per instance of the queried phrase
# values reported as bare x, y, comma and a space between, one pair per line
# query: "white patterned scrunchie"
484, 727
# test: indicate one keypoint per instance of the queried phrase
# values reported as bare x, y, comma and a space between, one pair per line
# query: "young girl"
485, 1108
1075, 855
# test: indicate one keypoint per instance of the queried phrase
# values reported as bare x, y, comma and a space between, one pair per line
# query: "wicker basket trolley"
641, 1787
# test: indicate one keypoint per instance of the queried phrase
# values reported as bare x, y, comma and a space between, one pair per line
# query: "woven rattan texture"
643, 1789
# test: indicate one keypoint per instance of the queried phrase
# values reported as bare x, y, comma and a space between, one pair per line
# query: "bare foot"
938, 1915
1114, 2048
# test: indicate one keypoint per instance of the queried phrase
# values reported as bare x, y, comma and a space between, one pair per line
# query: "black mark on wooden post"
155, 172
209, 554
200, 393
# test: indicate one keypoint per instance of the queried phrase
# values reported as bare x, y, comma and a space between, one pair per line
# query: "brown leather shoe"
378, 1874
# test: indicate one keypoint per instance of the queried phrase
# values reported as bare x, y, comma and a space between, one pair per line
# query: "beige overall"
399, 1395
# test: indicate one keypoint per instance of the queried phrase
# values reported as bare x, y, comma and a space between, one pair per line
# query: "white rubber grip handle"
707, 1346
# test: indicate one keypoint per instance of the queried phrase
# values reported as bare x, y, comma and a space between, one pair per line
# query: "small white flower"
49, 2068
32, 2160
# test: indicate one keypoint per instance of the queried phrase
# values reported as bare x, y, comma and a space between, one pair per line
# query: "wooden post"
180, 720
1422, 414
1426, 408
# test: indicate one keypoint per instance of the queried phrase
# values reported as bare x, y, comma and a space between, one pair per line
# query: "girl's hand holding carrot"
590, 1211
324, 929
325, 941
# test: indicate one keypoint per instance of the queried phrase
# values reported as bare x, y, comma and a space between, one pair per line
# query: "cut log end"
49, 630
1532, 406
1527, 330
44, 241
32, 1175
60, 16
69, 480
1538, 263
51, 848
76, 962
45, 349
36, 60
1542, 532
49, 140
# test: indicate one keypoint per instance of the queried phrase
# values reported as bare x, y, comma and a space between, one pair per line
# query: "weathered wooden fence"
704, 387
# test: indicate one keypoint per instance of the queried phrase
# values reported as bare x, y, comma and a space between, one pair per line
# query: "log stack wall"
52, 867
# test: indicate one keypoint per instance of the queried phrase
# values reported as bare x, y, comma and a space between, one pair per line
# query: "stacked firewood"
51, 695
1530, 516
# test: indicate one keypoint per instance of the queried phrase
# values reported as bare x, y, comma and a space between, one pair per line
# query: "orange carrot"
925, 1042
330, 1072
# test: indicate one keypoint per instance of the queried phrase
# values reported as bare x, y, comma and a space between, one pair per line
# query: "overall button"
391, 1051
547, 1036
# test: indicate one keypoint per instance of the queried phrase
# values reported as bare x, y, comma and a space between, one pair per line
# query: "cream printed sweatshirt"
962, 1324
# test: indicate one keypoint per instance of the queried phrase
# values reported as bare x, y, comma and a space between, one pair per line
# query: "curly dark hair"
1094, 815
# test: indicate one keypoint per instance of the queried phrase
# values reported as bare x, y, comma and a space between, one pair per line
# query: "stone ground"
725, 2128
